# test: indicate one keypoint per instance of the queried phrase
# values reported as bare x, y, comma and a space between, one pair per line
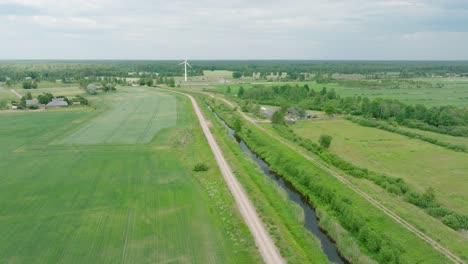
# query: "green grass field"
100, 201
454, 91
419, 163
456, 241
131, 119
463, 141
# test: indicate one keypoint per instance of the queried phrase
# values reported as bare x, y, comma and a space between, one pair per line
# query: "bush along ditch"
393, 185
321, 192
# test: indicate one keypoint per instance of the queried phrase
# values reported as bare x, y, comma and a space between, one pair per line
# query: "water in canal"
311, 220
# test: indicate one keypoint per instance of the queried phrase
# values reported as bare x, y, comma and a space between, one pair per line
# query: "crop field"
419, 163
63, 200
131, 119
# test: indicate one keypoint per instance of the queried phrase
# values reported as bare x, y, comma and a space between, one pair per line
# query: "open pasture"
450, 95
453, 92
114, 203
419, 163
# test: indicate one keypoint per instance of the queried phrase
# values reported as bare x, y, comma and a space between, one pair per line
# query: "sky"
234, 29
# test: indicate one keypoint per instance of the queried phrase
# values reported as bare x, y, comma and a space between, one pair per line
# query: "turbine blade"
189, 65
182, 63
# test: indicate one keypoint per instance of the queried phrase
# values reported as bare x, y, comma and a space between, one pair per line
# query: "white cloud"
209, 29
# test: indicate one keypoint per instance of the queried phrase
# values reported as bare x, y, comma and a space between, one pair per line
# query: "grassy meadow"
68, 194
419, 163
453, 92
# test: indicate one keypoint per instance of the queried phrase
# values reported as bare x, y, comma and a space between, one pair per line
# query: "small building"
57, 103
268, 112
76, 103
293, 111
289, 120
32, 102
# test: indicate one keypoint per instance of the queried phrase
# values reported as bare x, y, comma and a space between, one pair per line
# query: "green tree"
325, 141
170, 82
237, 125
240, 93
141, 82
34, 85
45, 98
329, 109
28, 96
278, 118
26, 85
236, 75
23, 102
228, 89
149, 82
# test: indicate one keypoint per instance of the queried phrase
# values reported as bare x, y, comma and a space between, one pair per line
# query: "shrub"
200, 167
325, 141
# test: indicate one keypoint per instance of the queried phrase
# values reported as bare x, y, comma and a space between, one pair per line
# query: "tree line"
448, 119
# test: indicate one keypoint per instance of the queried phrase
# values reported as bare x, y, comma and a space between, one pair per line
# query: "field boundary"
342, 179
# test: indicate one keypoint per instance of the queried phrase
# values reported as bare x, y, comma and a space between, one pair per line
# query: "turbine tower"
185, 63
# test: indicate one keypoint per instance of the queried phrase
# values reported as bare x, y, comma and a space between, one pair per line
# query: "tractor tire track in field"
446, 252
264, 242
109, 137
149, 124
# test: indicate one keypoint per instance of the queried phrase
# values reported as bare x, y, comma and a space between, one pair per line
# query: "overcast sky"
234, 29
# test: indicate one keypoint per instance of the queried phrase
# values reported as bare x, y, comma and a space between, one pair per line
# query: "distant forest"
53, 70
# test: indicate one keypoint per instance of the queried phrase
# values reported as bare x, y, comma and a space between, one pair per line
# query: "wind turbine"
185, 63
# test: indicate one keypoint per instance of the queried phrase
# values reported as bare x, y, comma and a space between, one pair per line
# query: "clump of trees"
278, 118
108, 87
442, 119
81, 99
325, 141
45, 98
30, 84
236, 74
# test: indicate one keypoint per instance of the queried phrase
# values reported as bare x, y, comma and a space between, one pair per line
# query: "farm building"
289, 120
268, 112
56, 103
295, 113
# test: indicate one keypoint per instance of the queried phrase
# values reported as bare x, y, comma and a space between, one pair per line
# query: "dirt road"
17, 94
265, 244
376, 203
